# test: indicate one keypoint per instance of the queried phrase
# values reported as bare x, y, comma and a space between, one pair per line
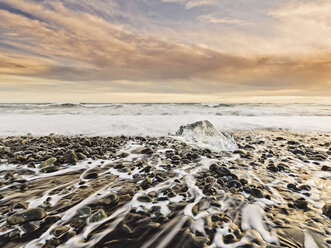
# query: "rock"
147, 150
26, 216
14, 234
327, 210
241, 152
70, 157
234, 183
31, 165
297, 151
81, 156
91, 175
214, 167
176, 157
223, 171
50, 169
60, 230
305, 187
21, 204
272, 168
257, 193
124, 170
145, 198
110, 200
53, 242
29, 227
98, 215
301, 203
203, 133
51, 219
146, 183
84, 212
229, 238
325, 168
48, 162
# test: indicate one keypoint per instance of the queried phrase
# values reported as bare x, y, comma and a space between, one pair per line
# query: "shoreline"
132, 191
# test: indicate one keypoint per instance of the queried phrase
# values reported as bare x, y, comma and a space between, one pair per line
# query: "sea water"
157, 119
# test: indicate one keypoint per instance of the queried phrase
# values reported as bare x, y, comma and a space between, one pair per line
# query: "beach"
272, 191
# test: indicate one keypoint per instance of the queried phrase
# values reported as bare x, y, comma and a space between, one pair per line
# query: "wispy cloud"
215, 18
189, 4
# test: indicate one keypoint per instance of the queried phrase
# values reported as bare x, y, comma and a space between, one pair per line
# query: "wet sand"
59, 191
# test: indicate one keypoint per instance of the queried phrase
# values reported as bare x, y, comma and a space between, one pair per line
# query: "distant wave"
171, 109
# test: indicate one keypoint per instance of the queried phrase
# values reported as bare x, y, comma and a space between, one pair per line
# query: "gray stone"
98, 215
48, 162
84, 211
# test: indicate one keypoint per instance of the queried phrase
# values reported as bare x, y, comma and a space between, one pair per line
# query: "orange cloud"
71, 46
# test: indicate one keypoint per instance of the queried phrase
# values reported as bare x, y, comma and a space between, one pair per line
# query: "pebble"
146, 183
48, 162
84, 212
50, 169
110, 200
145, 198
257, 193
26, 216
70, 157
327, 210
97, 216
60, 230
29, 227
91, 175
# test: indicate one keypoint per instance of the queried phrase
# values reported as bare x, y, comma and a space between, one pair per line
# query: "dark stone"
257, 193
50, 169
146, 183
234, 183
145, 198
305, 187
229, 238
213, 167
28, 227
81, 156
60, 230
19, 205
70, 157
223, 171
26, 216
147, 150
327, 210
91, 175
301, 203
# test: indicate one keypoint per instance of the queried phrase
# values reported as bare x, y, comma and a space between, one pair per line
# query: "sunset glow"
165, 50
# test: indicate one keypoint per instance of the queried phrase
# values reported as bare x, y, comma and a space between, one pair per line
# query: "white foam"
152, 125
309, 241
252, 217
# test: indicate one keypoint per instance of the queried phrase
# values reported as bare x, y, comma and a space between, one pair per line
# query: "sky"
165, 50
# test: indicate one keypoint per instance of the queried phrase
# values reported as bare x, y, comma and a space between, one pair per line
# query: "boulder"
204, 134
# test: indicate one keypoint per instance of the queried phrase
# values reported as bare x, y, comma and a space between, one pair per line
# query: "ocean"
150, 119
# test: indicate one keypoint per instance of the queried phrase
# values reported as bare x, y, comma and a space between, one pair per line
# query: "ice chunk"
204, 134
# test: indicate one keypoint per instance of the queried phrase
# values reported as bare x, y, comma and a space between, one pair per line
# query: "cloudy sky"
164, 50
